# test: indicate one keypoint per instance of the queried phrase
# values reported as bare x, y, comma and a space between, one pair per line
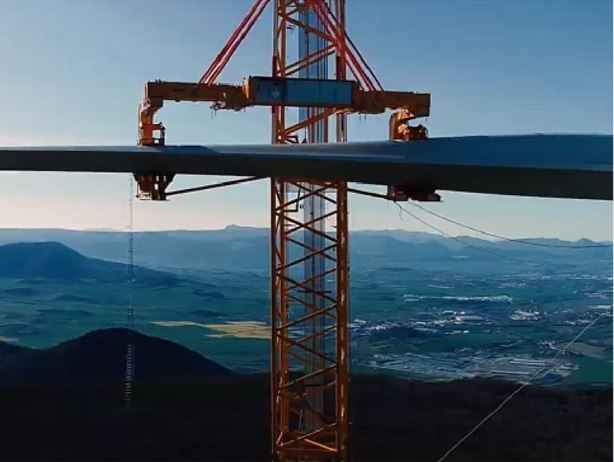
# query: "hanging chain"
128, 385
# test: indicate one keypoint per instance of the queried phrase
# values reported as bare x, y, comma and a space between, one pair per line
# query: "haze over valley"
422, 306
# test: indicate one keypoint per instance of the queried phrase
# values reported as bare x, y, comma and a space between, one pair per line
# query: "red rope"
223, 57
355, 48
243, 34
353, 58
224, 50
352, 62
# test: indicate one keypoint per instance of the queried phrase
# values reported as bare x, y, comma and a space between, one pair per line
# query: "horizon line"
172, 230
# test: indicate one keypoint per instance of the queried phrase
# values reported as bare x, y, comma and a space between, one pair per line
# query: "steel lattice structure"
310, 357
309, 230
309, 266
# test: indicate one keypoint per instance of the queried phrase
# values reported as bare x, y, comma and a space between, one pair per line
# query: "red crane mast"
309, 218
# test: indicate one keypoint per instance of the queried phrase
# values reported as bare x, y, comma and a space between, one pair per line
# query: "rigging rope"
460, 241
519, 389
546, 368
130, 306
477, 230
504, 238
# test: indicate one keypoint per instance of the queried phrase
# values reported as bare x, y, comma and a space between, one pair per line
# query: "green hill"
52, 260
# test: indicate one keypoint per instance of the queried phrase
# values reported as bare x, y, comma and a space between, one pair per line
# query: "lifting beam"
267, 91
341, 97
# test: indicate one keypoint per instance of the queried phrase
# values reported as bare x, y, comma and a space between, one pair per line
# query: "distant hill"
52, 260
244, 248
99, 357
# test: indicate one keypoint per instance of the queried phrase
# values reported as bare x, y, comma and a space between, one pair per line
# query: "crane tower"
309, 218
309, 355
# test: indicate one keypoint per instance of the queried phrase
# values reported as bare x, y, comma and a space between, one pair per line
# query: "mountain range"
55, 261
244, 248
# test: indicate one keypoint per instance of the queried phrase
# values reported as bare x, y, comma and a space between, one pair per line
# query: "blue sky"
72, 73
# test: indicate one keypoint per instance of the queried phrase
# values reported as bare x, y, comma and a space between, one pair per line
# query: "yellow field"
238, 329
242, 329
